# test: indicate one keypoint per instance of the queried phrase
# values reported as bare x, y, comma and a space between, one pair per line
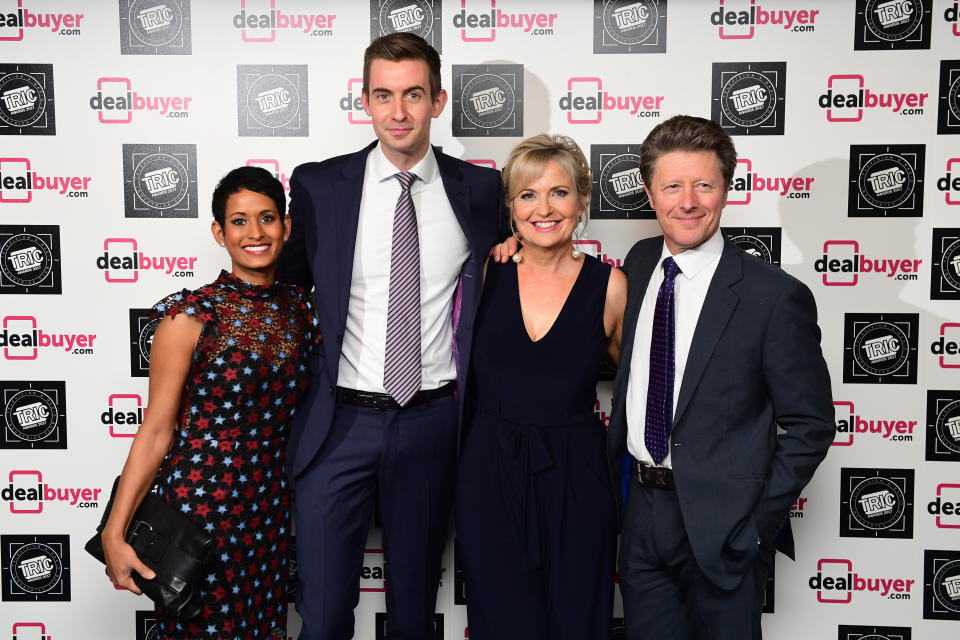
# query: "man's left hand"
503, 251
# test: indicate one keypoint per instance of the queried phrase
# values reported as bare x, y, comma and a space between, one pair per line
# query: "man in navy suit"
371, 229
722, 401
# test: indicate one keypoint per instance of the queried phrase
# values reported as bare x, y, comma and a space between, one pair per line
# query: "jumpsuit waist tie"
526, 451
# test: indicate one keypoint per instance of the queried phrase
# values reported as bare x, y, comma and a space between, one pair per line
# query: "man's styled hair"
255, 179
688, 133
402, 46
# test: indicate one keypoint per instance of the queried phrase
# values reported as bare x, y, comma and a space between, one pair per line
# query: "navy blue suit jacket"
324, 209
755, 364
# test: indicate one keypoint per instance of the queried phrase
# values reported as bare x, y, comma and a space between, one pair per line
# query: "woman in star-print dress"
227, 368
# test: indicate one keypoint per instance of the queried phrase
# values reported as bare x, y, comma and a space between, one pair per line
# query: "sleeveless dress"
536, 516
225, 468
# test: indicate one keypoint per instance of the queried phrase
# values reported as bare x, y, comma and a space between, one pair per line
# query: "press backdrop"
117, 119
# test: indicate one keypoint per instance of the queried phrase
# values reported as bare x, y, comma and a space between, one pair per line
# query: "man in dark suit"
722, 402
393, 240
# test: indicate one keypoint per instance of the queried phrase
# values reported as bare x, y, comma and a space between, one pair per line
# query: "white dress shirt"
443, 250
697, 267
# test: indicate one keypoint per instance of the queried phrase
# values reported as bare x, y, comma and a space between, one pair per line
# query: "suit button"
340, 339
331, 390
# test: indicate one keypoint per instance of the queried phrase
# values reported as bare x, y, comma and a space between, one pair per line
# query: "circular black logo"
953, 98
161, 181
877, 503
488, 100
411, 16
753, 246
145, 339
892, 21
36, 568
273, 100
153, 632
950, 264
748, 98
26, 260
621, 184
948, 426
22, 99
881, 348
629, 21
946, 585
31, 415
155, 24
886, 180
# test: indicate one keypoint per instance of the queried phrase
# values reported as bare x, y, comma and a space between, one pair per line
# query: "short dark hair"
255, 179
402, 46
688, 133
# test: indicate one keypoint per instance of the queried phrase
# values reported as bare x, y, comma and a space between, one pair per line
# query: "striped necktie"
401, 365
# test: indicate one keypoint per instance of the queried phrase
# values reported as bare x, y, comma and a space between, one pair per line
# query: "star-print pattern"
225, 468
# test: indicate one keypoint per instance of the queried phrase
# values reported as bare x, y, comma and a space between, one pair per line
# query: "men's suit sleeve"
799, 386
293, 267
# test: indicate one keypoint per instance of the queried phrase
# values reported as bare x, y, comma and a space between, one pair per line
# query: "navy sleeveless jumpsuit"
536, 517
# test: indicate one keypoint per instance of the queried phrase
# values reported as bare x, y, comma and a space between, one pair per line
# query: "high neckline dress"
225, 468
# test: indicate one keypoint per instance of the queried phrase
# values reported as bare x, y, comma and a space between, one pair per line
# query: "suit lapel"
347, 194
717, 308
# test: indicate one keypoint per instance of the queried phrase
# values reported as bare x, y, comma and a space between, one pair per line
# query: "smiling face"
688, 193
546, 210
400, 106
253, 234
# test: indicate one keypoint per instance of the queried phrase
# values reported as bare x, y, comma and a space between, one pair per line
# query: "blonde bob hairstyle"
527, 160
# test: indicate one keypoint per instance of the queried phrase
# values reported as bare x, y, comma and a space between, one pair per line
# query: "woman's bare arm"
170, 359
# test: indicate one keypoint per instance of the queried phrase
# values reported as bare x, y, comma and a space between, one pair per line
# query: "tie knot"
670, 268
406, 179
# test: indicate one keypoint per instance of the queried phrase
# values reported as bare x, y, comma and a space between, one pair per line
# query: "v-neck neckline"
523, 323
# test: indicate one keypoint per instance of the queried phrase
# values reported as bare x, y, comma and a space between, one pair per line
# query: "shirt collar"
382, 169
693, 261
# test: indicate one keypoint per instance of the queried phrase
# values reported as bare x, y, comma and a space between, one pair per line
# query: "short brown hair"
527, 160
402, 46
688, 133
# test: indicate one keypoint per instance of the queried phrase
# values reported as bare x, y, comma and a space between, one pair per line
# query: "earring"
516, 257
576, 253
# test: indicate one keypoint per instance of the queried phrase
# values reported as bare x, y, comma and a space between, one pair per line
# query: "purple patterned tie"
656, 432
401, 365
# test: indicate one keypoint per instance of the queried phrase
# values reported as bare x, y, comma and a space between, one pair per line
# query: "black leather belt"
656, 477
385, 402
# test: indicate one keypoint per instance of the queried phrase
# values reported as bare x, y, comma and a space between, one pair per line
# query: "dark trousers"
665, 595
407, 457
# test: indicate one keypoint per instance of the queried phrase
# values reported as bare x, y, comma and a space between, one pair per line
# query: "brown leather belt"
656, 477
385, 402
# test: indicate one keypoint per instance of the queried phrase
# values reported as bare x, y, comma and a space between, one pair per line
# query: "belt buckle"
652, 476
659, 477
386, 404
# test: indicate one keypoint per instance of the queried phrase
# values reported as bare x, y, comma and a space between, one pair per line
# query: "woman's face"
253, 234
547, 210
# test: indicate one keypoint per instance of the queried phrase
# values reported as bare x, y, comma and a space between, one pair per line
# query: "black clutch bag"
171, 544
